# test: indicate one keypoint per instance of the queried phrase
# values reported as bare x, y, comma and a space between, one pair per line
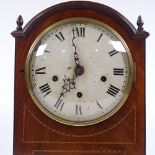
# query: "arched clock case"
79, 82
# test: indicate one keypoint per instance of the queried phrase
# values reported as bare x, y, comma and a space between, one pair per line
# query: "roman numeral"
99, 105
40, 70
118, 71
78, 110
100, 37
80, 31
59, 104
113, 91
113, 52
45, 89
60, 36
47, 51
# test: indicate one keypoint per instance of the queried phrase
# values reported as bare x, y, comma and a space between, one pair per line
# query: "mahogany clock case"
121, 134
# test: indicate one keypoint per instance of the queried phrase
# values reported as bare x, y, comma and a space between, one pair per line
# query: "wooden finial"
19, 22
140, 23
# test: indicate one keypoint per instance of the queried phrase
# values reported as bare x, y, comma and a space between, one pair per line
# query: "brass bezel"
127, 89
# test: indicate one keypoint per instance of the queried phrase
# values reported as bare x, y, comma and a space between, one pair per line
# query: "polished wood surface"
121, 134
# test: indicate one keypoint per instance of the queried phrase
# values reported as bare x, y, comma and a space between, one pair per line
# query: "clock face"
79, 71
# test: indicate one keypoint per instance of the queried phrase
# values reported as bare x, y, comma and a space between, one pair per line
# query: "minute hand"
79, 70
76, 57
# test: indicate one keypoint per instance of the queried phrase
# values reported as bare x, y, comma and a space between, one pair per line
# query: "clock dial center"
79, 70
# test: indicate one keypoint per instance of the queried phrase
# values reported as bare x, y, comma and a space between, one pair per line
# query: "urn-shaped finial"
19, 22
140, 23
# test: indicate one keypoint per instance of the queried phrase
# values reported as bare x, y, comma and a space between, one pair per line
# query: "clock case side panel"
139, 44
19, 97
140, 99
25, 37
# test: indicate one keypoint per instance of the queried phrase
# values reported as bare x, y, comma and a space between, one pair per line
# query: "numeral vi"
78, 110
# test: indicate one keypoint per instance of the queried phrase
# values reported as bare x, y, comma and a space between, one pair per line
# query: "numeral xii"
80, 31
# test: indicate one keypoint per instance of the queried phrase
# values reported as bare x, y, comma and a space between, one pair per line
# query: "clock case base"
121, 134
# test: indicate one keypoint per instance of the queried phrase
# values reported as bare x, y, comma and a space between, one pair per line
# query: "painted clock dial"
79, 71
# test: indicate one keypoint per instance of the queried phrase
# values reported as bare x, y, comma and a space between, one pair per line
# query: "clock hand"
78, 70
69, 84
76, 57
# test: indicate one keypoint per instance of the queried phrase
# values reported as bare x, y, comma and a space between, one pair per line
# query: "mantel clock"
79, 82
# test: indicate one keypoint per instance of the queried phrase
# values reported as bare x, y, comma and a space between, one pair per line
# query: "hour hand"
69, 83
